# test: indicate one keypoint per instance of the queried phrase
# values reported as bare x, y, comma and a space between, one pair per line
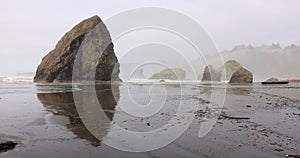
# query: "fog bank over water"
267, 61
263, 61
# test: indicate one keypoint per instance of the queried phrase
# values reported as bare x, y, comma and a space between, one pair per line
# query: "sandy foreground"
254, 121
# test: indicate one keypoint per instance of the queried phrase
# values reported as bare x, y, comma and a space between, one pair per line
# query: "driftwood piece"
292, 156
234, 117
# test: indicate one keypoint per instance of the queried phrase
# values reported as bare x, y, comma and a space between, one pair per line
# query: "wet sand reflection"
62, 104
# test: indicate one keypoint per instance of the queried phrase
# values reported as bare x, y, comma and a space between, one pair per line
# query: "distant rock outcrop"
211, 74
138, 74
170, 74
273, 79
57, 66
242, 75
228, 69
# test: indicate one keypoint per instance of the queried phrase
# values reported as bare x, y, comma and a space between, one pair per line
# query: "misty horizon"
240, 53
31, 29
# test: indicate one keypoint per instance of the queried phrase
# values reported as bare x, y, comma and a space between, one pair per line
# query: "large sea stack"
97, 55
242, 75
229, 67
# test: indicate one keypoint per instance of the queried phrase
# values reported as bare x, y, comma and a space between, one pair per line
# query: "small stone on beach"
7, 146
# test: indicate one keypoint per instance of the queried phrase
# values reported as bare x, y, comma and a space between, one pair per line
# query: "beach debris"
234, 117
248, 106
148, 124
201, 100
292, 156
279, 149
4, 147
201, 112
296, 114
275, 143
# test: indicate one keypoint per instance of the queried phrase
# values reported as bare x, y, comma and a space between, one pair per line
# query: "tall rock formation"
98, 55
211, 74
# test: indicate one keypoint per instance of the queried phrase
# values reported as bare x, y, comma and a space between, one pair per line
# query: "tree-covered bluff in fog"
266, 61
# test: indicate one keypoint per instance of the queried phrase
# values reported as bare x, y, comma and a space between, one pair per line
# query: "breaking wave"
16, 78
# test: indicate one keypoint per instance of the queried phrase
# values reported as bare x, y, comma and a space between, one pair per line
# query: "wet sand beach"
44, 121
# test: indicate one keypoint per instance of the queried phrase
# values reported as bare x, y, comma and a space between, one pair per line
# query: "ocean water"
17, 78
65, 120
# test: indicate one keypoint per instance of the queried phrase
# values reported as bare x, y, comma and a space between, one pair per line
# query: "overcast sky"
31, 28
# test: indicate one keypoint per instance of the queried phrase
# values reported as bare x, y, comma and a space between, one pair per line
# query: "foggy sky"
30, 29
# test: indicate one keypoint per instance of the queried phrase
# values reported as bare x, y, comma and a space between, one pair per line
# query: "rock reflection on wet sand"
62, 103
